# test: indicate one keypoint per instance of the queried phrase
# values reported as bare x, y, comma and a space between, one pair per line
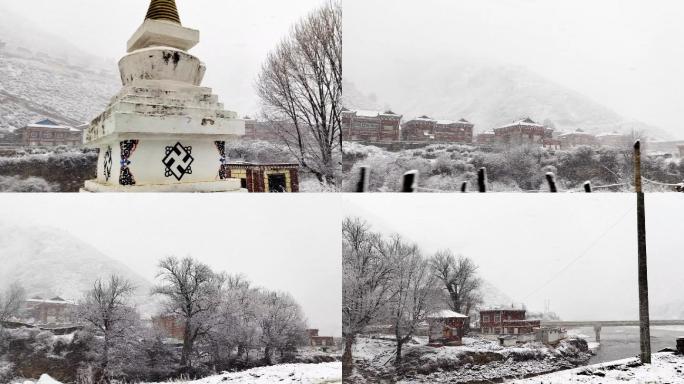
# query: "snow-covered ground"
324, 373
477, 360
666, 368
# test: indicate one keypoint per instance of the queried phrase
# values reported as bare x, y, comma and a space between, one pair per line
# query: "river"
623, 342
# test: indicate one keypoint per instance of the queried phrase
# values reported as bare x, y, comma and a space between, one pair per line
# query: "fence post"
551, 179
410, 182
482, 180
364, 178
587, 187
464, 187
644, 320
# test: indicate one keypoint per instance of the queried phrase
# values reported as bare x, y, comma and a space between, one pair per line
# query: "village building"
48, 133
577, 138
447, 327
171, 326
525, 132
506, 321
322, 343
615, 140
259, 130
54, 311
272, 178
486, 138
371, 126
549, 335
426, 129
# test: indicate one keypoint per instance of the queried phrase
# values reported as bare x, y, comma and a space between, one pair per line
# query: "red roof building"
506, 321
47, 133
447, 327
523, 132
371, 126
426, 129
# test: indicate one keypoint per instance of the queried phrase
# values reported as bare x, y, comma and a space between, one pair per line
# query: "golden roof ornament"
163, 10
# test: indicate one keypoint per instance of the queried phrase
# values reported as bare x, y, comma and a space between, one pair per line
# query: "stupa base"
231, 185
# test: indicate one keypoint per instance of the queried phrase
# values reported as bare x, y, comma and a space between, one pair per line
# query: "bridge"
597, 325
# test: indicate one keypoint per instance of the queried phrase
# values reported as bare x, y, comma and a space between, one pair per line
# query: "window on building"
497, 318
485, 318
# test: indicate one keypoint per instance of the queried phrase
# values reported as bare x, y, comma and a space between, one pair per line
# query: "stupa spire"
163, 10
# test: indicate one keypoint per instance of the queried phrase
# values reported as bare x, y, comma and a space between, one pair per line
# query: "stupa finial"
163, 10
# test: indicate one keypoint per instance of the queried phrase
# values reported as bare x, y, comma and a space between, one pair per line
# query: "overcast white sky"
625, 54
521, 242
287, 242
236, 35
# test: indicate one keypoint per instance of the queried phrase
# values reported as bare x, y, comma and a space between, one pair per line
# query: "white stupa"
163, 132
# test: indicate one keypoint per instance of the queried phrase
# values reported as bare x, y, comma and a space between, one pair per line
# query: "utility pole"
644, 321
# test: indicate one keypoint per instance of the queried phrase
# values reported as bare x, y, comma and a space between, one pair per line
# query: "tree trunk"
267, 355
347, 359
187, 347
400, 344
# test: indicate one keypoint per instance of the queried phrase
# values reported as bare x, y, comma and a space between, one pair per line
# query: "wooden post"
551, 179
464, 187
587, 187
644, 321
364, 178
482, 180
410, 182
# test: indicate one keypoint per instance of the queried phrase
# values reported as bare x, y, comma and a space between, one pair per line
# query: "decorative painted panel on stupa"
163, 132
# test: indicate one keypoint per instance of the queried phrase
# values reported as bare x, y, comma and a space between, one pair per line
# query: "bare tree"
413, 290
11, 301
366, 282
281, 323
458, 276
193, 293
106, 308
300, 87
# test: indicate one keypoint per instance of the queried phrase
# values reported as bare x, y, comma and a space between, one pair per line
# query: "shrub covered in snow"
30, 184
446, 167
63, 170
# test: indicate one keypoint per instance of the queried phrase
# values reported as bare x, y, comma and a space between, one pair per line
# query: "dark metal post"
410, 182
587, 187
464, 187
364, 178
551, 179
482, 180
644, 321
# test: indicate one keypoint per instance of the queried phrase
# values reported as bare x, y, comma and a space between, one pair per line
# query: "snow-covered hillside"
42, 75
487, 94
51, 262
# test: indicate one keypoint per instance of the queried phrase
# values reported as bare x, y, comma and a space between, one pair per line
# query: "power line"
581, 255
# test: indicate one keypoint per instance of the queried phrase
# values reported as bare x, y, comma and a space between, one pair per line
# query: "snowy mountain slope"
43, 76
489, 95
51, 262
493, 296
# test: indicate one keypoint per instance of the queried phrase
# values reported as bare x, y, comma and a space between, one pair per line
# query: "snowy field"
666, 368
477, 360
324, 373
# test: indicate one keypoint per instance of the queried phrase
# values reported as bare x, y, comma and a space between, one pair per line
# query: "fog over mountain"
489, 95
613, 64
44, 76
51, 262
